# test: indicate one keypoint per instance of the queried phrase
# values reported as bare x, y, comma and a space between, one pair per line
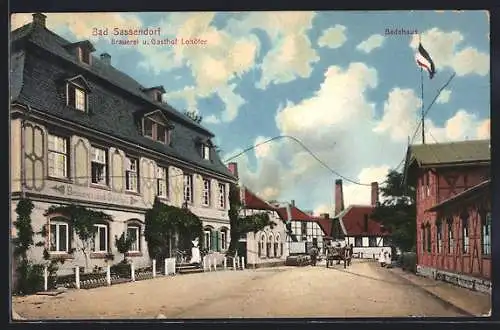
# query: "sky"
334, 81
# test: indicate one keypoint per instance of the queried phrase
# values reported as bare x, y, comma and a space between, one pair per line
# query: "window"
158, 96
451, 238
59, 236
372, 241
77, 97
277, 245
205, 151
270, 242
223, 239
99, 164
154, 130
207, 242
262, 246
222, 195
162, 182
358, 241
133, 233
101, 238
465, 233
303, 229
422, 236
439, 237
486, 233
131, 174
427, 184
188, 188
428, 238
57, 156
206, 192
85, 55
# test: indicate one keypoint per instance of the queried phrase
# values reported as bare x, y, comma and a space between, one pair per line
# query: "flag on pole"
425, 61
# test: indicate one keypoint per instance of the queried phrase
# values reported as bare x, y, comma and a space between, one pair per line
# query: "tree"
83, 220
163, 222
397, 212
241, 225
123, 245
194, 116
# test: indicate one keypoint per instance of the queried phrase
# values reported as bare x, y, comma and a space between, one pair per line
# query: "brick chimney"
106, 58
325, 215
293, 202
339, 197
374, 193
233, 168
39, 19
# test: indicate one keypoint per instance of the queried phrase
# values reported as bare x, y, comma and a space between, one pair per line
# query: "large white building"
84, 132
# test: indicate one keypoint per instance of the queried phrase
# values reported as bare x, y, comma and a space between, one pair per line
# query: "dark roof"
460, 197
469, 152
352, 221
115, 97
252, 201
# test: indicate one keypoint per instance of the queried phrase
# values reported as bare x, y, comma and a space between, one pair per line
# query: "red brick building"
453, 210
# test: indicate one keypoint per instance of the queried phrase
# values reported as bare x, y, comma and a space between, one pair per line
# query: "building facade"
85, 133
267, 247
453, 210
355, 225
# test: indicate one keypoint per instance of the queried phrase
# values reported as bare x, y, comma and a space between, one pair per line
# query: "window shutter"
217, 241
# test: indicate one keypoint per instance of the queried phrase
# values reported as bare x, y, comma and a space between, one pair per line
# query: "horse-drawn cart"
338, 253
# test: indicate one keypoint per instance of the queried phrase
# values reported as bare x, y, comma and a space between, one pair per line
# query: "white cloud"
483, 131
333, 37
446, 50
444, 97
373, 42
339, 125
323, 208
262, 149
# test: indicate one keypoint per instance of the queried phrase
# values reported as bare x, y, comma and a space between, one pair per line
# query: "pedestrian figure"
387, 257
314, 255
381, 258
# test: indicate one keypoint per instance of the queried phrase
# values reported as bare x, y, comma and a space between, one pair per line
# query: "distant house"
355, 225
267, 247
453, 202
306, 228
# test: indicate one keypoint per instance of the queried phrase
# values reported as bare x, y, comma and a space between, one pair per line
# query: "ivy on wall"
164, 222
82, 220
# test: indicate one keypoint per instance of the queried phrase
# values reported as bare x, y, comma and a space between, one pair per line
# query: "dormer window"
85, 55
205, 151
77, 90
155, 93
82, 50
156, 127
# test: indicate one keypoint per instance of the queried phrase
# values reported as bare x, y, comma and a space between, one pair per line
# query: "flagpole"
422, 95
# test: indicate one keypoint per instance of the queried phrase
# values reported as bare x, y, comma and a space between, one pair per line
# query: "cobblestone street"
362, 290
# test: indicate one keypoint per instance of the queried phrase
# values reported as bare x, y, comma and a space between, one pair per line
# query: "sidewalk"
470, 302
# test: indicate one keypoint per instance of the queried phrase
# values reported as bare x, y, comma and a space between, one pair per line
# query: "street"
362, 290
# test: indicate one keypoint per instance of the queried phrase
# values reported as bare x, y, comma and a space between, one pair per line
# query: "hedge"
408, 261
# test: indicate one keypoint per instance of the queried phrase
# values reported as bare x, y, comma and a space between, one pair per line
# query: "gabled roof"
352, 221
114, 105
252, 201
469, 152
297, 215
460, 197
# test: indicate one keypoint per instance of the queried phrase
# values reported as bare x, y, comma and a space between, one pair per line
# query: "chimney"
39, 19
293, 202
374, 193
233, 168
106, 58
325, 215
339, 197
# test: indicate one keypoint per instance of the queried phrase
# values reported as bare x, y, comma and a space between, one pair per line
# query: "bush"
408, 261
121, 269
30, 278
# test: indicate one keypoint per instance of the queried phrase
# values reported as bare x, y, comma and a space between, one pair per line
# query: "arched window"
277, 246
223, 238
428, 237
451, 235
486, 233
59, 235
207, 238
422, 237
439, 236
270, 241
262, 246
465, 232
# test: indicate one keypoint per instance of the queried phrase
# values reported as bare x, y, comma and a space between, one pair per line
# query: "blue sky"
333, 80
